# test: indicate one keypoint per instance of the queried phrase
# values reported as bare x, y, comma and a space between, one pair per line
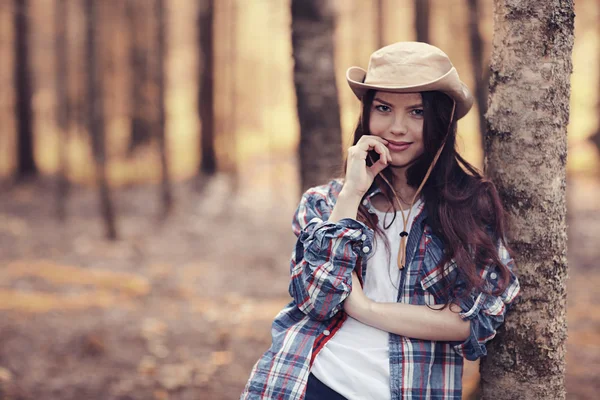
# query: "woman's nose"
398, 125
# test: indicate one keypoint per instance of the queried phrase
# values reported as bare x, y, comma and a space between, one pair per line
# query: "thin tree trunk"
62, 105
595, 138
140, 106
480, 76
96, 118
526, 157
206, 96
26, 166
422, 20
166, 194
316, 91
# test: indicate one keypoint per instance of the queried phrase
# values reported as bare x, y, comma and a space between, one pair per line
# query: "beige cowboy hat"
406, 67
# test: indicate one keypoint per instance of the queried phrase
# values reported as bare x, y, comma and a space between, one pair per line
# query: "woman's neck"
403, 190
405, 197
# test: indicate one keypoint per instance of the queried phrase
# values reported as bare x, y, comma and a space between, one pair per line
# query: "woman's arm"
331, 243
410, 320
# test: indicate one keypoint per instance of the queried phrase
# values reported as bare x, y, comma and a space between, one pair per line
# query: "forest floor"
181, 308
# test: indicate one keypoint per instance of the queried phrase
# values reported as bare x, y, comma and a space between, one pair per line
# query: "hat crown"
406, 64
408, 67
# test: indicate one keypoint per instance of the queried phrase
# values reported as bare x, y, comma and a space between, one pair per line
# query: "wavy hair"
464, 209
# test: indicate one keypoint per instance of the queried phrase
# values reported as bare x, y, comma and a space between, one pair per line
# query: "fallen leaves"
91, 287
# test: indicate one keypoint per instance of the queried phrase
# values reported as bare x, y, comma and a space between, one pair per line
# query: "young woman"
401, 268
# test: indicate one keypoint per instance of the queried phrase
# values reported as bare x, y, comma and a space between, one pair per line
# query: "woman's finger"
379, 166
383, 152
366, 144
372, 137
372, 144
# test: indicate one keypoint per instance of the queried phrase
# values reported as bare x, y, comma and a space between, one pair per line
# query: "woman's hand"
359, 177
357, 303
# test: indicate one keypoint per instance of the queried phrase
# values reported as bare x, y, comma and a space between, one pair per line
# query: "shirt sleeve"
325, 255
486, 312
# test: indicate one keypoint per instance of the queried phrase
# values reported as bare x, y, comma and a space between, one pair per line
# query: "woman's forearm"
416, 321
346, 206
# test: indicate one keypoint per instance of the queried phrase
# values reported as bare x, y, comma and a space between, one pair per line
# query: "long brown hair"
463, 207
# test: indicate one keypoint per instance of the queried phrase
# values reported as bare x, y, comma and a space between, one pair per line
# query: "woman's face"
398, 117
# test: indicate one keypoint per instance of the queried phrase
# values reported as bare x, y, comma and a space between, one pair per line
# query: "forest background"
163, 284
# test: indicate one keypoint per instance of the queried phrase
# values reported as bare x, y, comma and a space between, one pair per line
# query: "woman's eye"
382, 108
418, 111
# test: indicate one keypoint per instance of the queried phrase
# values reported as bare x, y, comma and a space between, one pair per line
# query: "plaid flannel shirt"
321, 264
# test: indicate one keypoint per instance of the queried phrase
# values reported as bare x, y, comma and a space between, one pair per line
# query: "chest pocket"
433, 281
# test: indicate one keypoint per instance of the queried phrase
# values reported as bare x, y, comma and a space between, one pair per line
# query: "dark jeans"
317, 390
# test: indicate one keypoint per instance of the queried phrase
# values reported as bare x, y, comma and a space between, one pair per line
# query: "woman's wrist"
349, 193
346, 205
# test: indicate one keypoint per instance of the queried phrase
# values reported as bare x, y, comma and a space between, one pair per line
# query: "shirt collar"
422, 215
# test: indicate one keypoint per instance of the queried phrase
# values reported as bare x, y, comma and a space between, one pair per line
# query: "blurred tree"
96, 116
313, 23
206, 100
167, 198
380, 23
140, 107
61, 18
525, 156
26, 166
480, 74
422, 20
595, 138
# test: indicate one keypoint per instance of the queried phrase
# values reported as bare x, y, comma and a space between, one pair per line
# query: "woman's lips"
398, 147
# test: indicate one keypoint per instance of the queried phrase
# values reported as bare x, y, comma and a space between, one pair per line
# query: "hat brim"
448, 83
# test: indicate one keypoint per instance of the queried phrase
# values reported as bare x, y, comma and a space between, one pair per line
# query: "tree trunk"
62, 105
166, 195
96, 118
422, 20
480, 76
208, 158
526, 156
140, 105
316, 91
595, 138
26, 166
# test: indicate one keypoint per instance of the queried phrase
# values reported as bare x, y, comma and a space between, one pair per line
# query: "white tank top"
355, 362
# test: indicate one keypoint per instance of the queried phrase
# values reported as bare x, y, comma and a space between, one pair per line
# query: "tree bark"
422, 20
480, 76
166, 194
26, 166
526, 156
140, 105
62, 105
316, 91
206, 96
96, 118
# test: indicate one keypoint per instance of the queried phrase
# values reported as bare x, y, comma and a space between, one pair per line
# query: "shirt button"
326, 332
366, 249
363, 237
493, 275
